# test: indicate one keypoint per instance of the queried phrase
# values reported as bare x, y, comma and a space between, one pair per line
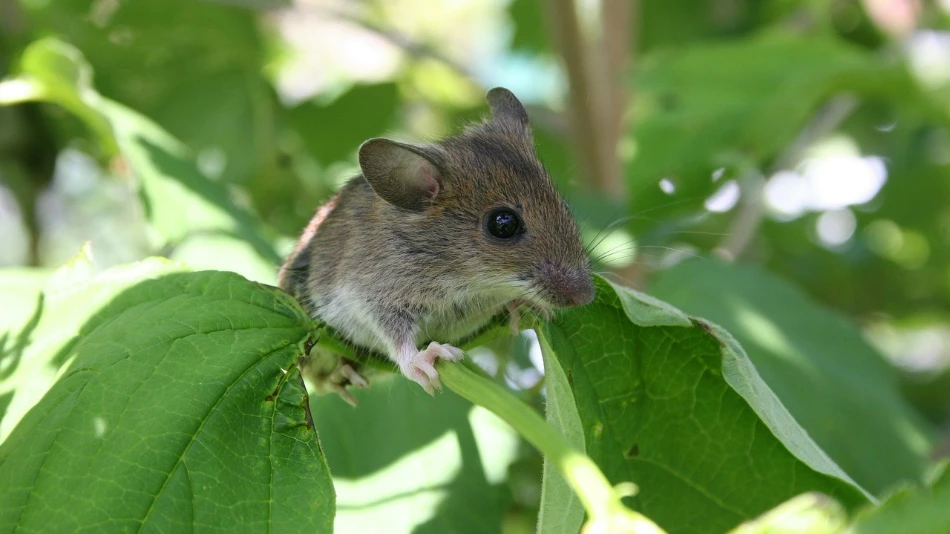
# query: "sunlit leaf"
179, 200
680, 411
179, 407
812, 359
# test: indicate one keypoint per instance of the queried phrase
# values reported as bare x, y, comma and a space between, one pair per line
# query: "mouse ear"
507, 110
402, 175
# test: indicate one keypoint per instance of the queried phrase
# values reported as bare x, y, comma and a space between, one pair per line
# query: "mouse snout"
564, 286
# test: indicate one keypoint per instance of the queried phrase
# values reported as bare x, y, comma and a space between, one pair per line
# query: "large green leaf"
414, 463
195, 68
180, 202
830, 379
329, 129
674, 405
179, 408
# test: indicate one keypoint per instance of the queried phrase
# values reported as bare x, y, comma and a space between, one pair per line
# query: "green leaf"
413, 463
253, 4
195, 68
910, 510
329, 129
144, 52
561, 510
681, 412
20, 287
227, 116
180, 409
812, 359
179, 200
64, 76
677, 22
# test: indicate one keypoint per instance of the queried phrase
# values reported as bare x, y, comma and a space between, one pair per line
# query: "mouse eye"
503, 223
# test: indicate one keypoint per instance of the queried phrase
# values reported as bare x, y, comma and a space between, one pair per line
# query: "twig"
618, 20
404, 42
605, 511
588, 94
752, 209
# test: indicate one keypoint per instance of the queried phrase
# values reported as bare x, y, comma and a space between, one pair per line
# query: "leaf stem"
606, 513
599, 498
18, 91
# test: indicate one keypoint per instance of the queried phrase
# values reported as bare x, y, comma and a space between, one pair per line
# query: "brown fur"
434, 272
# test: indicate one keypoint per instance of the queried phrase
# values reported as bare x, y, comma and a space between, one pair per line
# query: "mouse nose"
566, 287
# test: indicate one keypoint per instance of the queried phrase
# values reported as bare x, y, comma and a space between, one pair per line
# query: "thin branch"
618, 20
752, 209
586, 96
414, 48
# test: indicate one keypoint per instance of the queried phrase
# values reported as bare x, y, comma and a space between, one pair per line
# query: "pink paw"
420, 367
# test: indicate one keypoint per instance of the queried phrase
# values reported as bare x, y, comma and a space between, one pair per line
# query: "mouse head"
487, 197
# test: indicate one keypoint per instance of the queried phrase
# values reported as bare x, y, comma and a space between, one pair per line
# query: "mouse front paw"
420, 367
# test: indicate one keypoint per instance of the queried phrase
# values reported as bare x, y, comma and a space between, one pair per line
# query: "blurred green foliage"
227, 122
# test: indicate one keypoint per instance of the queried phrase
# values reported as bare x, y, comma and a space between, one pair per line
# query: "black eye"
503, 223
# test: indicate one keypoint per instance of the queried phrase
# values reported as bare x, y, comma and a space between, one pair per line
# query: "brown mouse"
430, 242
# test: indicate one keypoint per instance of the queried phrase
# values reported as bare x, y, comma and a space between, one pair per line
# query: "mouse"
431, 241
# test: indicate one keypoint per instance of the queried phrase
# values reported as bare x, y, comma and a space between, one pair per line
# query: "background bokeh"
781, 167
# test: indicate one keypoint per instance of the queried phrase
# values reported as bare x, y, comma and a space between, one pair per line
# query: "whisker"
623, 246
602, 234
592, 245
625, 282
680, 250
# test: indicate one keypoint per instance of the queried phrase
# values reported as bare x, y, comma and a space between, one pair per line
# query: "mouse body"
430, 242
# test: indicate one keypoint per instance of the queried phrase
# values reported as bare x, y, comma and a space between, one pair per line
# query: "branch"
752, 209
618, 20
605, 511
413, 48
589, 98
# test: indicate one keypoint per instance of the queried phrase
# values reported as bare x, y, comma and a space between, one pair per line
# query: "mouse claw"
353, 376
345, 395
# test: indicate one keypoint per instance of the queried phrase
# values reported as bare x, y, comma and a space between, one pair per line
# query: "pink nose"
567, 287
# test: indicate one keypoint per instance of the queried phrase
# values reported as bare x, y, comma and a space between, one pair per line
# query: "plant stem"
599, 498
18, 91
752, 210
605, 511
589, 98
